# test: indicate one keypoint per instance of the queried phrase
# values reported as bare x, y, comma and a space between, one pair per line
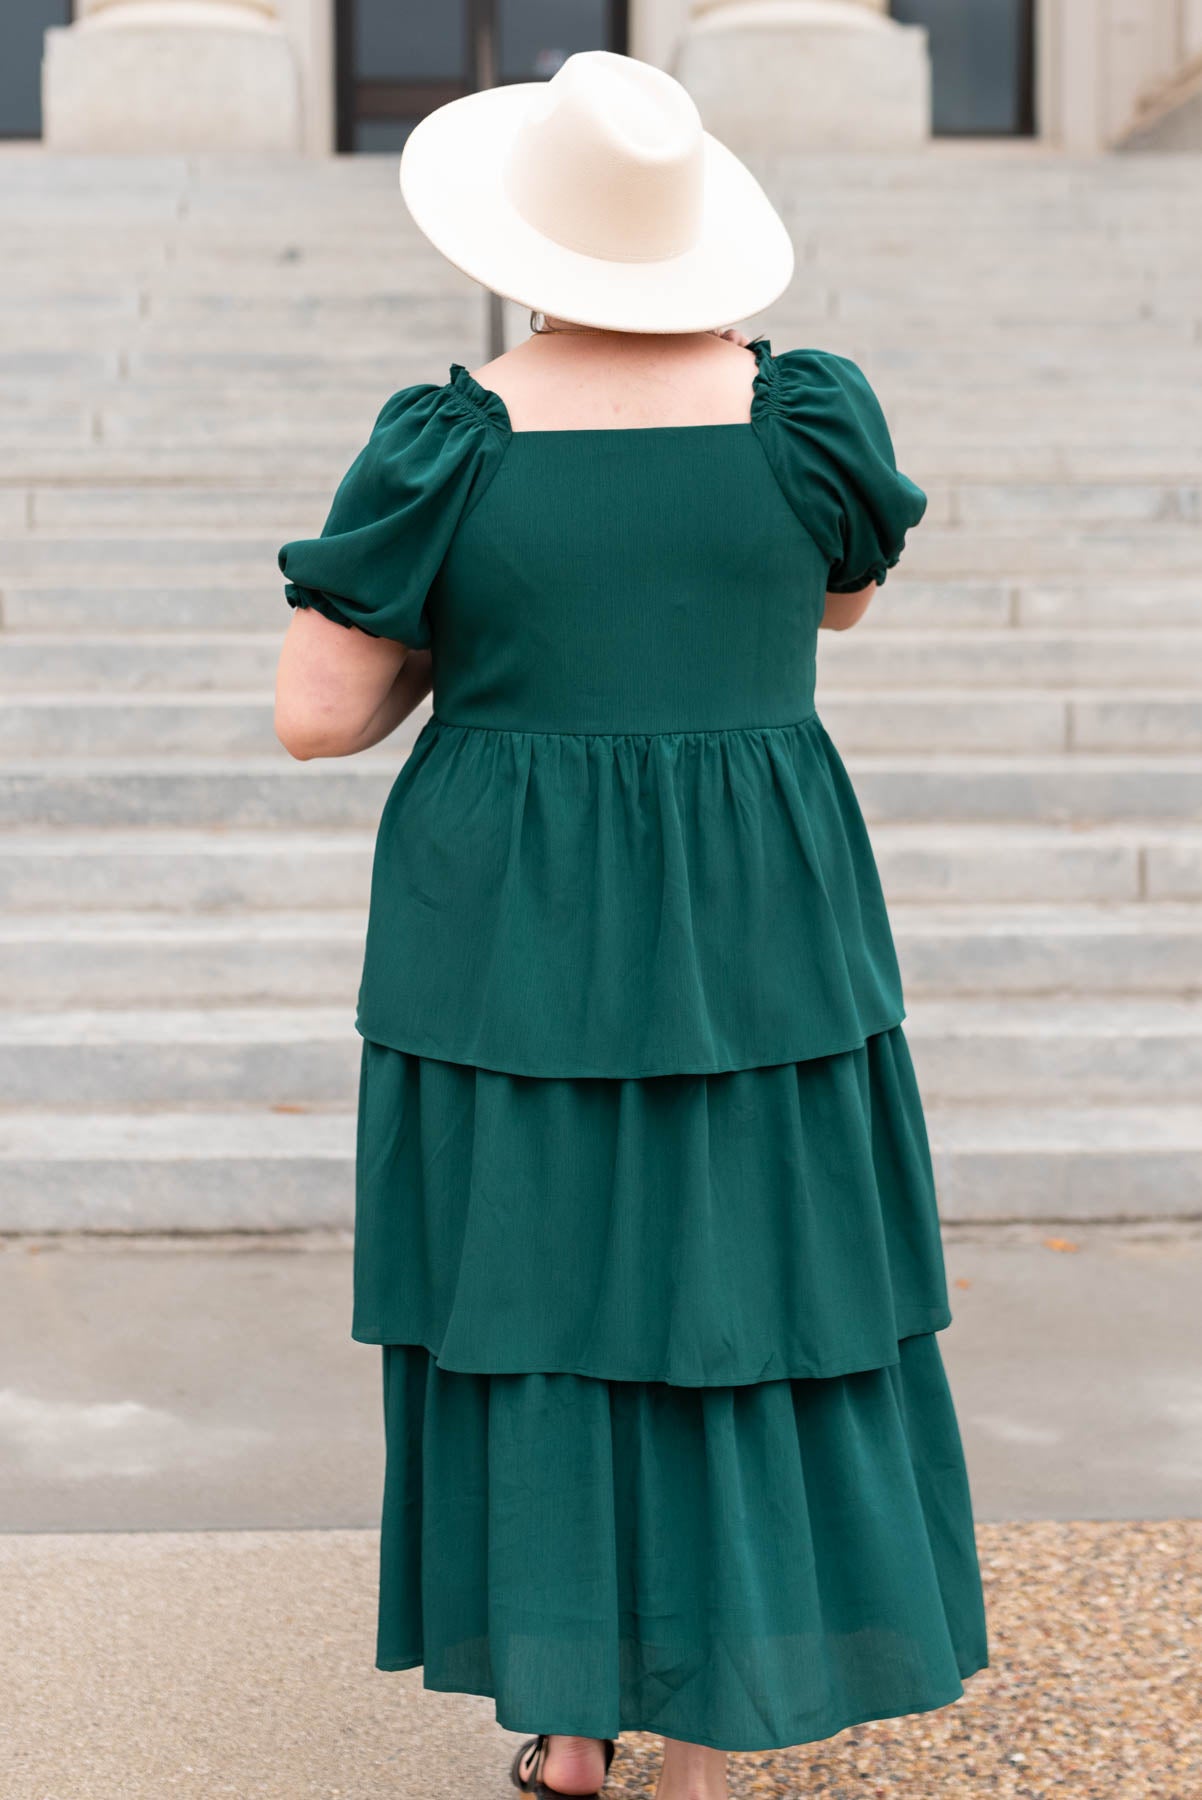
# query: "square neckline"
489, 402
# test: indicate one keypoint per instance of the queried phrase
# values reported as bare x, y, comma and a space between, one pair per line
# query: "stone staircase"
191, 353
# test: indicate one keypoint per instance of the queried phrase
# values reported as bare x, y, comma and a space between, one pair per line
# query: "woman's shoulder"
438, 409
426, 438
815, 385
830, 447
429, 456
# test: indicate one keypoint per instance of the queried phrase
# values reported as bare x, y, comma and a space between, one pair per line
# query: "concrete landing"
156, 1384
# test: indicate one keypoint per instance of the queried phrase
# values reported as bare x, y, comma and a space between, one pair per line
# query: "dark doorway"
397, 62
982, 64
23, 24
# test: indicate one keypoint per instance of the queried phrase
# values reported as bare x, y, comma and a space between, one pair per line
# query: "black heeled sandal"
540, 1789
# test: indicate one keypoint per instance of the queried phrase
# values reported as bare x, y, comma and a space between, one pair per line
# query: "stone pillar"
171, 75
771, 75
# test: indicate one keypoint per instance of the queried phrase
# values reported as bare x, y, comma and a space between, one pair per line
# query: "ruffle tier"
556, 904
694, 1229
749, 1567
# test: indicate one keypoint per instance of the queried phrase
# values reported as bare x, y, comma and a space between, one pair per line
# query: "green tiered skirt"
669, 1440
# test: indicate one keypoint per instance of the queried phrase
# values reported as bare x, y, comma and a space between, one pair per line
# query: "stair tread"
265, 1132
932, 918
1120, 1015
203, 1134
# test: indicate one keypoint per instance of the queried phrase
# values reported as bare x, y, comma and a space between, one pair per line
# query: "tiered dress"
645, 1219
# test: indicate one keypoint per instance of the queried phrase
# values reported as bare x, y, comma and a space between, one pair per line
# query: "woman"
645, 1221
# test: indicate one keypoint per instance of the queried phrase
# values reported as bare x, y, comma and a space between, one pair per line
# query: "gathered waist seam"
809, 718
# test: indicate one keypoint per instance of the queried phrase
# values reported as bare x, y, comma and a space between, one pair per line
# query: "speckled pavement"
206, 1665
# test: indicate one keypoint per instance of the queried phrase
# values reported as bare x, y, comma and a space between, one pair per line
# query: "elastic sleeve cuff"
326, 604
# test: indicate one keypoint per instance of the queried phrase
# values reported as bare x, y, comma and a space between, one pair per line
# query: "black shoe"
540, 1789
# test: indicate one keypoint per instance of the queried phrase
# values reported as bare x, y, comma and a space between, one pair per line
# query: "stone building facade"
319, 75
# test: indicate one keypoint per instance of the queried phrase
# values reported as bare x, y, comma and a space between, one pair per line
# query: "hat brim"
451, 182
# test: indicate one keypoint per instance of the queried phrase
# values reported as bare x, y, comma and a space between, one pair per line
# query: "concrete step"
1149, 948
1073, 1050
1167, 552
906, 659
180, 336
163, 662
131, 959
1076, 1049
165, 868
263, 1170
901, 659
1006, 863
988, 370
176, 318
1106, 1162
177, 1056
219, 724
196, 791
212, 555
151, 359
40, 441
997, 719
1001, 719
121, 507
280, 957
161, 606
239, 1170
252, 600
1098, 606
285, 508
1081, 787
162, 870
177, 435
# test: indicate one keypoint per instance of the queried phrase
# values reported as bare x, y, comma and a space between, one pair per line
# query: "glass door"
397, 62
982, 64
23, 23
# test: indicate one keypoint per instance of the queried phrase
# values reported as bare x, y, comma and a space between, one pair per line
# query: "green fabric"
624, 800
696, 1229
675, 902
392, 517
749, 1567
644, 1211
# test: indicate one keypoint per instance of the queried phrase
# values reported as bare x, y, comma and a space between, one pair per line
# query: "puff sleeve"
833, 456
429, 457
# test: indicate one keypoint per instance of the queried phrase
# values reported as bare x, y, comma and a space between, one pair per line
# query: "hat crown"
609, 160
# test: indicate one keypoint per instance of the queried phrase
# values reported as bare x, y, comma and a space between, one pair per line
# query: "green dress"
644, 1210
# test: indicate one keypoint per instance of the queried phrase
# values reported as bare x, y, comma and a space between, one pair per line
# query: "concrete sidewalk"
168, 1402
186, 1385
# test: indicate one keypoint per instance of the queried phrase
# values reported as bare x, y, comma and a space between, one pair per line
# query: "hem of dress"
407, 1043
970, 1667
934, 1319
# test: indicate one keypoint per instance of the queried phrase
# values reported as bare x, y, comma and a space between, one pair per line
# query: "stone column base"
169, 77
803, 75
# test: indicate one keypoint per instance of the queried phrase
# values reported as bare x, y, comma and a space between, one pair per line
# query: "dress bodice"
635, 580
623, 843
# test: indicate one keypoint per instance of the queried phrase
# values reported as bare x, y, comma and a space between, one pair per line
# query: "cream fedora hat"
597, 196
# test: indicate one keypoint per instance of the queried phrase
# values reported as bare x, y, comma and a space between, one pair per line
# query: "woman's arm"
844, 610
339, 689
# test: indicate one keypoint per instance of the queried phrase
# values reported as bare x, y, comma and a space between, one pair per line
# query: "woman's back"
623, 843
627, 579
